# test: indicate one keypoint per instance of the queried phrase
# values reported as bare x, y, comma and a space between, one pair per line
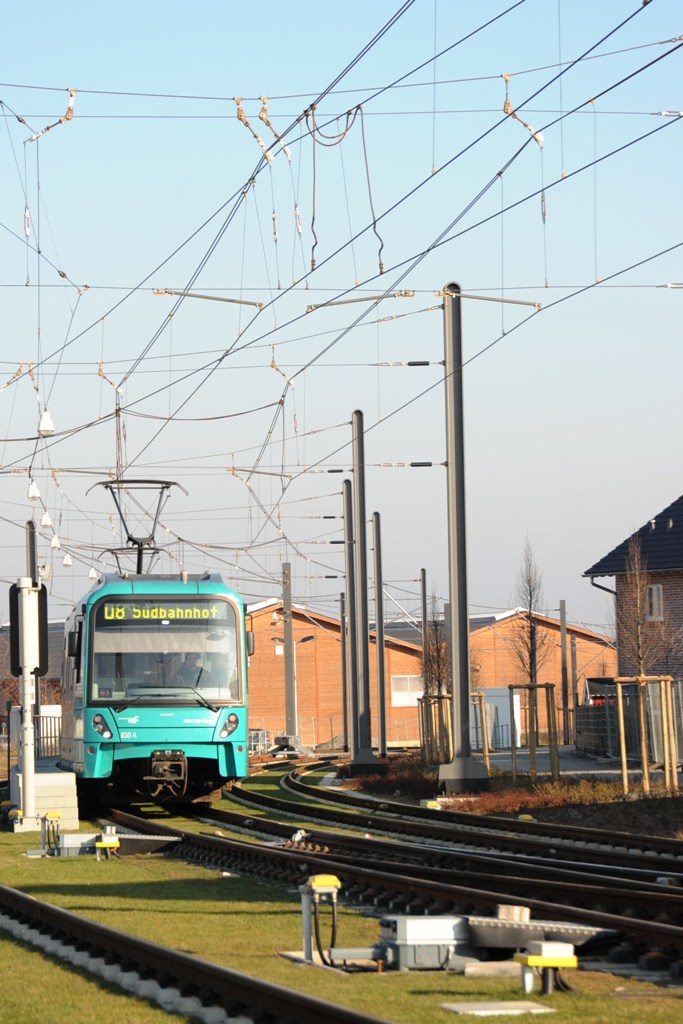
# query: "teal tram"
154, 689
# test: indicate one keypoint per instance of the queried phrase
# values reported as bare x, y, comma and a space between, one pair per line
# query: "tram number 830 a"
169, 658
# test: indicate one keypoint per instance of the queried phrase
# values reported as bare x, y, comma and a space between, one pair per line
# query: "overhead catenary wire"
336, 92
445, 240
259, 166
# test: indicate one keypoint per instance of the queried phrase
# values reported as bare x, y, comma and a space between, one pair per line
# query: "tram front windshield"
164, 651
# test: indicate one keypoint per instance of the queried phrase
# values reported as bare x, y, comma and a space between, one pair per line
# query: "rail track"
576, 835
403, 886
511, 877
623, 853
177, 981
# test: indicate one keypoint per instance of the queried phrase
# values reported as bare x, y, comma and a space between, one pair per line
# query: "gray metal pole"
290, 681
30, 656
463, 773
351, 613
565, 674
344, 677
31, 552
575, 683
379, 634
424, 610
32, 571
364, 754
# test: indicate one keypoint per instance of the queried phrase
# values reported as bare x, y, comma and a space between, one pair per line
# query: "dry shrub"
503, 799
406, 777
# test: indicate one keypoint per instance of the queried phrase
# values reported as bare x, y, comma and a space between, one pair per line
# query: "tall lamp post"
463, 774
295, 643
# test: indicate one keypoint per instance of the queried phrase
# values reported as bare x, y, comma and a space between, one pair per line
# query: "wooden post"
484, 733
642, 718
664, 724
672, 735
552, 731
513, 735
622, 738
532, 732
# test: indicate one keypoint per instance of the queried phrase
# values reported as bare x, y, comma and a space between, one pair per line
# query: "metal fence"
326, 732
48, 731
8, 747
48, 734
597, 728
498, 733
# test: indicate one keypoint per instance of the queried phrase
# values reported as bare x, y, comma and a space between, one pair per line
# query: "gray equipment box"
445, 942
71, 844
425, 943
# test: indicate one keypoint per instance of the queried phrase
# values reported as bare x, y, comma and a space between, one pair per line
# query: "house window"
405, 690
655, 603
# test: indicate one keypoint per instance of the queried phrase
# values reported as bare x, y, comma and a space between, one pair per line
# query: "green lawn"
36, 989
242, 923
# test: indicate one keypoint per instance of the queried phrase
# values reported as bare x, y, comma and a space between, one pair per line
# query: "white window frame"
406, 698
654, 597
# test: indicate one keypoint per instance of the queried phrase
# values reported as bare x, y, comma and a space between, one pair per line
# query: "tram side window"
71, 667
79, 661
67, 671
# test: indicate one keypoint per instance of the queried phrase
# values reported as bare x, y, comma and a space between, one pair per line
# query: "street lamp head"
305, 639
278, 639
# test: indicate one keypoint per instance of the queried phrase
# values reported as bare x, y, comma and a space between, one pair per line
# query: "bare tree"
643, 641
436, 653
531, 645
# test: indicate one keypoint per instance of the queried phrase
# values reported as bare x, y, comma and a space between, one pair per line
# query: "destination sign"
112, 612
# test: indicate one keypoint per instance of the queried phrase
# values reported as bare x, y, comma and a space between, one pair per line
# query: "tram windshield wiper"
139, 696
132, 700
200, 699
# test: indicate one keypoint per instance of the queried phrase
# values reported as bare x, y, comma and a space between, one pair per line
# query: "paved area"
571, 763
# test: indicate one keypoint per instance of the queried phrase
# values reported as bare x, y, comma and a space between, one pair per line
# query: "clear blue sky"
572, 430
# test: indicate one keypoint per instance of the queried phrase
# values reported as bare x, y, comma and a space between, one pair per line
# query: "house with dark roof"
661, 547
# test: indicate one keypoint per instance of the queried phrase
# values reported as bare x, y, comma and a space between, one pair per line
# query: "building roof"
274, 604
408, 635
478, 622
661, 545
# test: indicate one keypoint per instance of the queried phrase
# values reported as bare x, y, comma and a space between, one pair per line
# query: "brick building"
494, 639
661, 549
318, 668
318, 677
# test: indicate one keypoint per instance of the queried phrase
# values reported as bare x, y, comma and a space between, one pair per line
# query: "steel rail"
655, 844
505, 836
372, 883
657, 900
235, 992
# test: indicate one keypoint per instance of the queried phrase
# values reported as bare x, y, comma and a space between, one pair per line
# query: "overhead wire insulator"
263, 116
509, 110
241, 116
46, 426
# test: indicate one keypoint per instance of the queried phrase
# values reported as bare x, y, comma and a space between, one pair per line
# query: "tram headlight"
229, 725
99, 724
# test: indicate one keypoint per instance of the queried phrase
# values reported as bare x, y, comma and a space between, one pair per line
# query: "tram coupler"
168, 770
